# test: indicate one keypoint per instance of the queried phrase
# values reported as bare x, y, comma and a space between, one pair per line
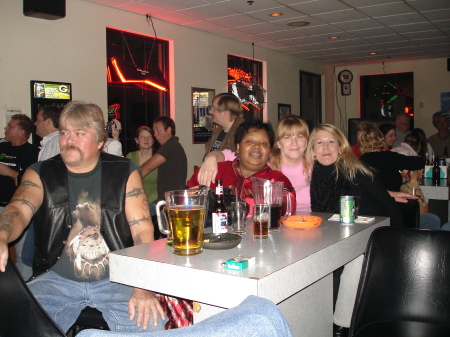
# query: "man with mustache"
79, 217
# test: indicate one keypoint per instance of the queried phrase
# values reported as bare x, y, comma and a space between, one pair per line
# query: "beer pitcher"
186, 209
271, 193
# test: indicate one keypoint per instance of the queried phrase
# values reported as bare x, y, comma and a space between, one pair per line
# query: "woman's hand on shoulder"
402, 196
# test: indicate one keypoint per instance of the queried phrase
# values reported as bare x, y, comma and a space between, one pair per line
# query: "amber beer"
187, 229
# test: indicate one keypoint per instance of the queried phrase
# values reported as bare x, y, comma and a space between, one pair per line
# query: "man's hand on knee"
142, 304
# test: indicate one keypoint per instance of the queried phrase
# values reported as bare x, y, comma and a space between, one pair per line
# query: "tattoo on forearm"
26, 203
135, 192
7, 221
138, 221
138, 241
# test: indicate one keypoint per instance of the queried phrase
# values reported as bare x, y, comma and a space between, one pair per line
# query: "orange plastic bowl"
303, 221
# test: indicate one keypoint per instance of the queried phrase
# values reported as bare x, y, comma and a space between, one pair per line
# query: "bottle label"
220, 223
219, 190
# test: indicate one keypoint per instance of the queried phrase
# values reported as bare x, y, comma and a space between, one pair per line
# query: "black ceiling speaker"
448, 64
45, 9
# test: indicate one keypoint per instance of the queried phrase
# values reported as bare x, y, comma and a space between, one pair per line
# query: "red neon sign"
124, 80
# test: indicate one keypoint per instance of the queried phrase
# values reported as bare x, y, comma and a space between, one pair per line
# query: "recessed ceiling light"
334, 37
276, 14
298, 23
373, 53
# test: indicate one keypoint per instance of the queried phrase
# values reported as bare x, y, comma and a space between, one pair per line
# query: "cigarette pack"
240, 262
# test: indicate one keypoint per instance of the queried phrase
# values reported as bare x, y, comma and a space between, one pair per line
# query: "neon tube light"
124, 80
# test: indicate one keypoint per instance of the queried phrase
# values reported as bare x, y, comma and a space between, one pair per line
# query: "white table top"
288, 261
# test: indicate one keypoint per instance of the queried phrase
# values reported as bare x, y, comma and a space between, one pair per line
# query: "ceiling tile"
365, 33
319, 7
235, 21
207, 12
259, 28
443, 14
341, 16
243, 7
173, 5
415, 27
424, 35
386, 9
357, 24
176, 18
140, 8
401, 19
426, 5
317, 30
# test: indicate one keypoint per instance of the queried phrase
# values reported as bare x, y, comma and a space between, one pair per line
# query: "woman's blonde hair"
370, 139
347, 163
288, 126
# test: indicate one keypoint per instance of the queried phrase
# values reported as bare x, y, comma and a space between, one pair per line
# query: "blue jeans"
430, 221
63, 300
254, 317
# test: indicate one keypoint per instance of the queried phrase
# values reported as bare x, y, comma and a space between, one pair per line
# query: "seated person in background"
359, 127
389, 133
144, 141
288, 156
388, 164
337, 172
426, 151
226, 111
440, 140
254, 141
403, 125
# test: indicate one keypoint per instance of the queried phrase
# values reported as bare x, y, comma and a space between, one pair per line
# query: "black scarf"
325, 190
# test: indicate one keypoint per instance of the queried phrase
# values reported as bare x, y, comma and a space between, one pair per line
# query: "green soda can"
347, 205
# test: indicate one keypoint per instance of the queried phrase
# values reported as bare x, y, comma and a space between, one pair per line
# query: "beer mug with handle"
271, 193
186, 209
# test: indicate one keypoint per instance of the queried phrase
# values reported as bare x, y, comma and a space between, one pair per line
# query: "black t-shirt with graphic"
85, 257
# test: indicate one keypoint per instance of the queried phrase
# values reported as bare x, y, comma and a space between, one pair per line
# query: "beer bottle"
219, 211
444, 155
436, 171
20, 175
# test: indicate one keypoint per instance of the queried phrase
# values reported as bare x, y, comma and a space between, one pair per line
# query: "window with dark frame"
137, 75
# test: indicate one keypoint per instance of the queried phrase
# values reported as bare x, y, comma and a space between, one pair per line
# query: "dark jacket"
53, 220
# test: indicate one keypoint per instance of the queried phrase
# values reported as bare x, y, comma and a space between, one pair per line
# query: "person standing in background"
170, 159
47, 124
226, 111
16, 154
402, 124
440, 140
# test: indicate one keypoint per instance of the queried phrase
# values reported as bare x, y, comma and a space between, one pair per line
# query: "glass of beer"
186, 209
261, 217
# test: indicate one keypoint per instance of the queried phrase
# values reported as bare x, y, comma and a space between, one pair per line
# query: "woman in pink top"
288, 156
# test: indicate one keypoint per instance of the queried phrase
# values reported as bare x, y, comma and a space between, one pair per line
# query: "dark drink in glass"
261, 229
275, 216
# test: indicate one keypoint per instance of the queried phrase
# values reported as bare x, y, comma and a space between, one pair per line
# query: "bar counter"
293, 269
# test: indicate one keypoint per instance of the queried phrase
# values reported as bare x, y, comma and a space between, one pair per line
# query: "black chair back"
20, 313
404, 285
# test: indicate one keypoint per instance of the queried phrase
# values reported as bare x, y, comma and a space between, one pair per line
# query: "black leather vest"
53, 220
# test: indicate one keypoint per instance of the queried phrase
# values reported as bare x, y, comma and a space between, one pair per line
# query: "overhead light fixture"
373, 53
334, 37
298, 23
276, 14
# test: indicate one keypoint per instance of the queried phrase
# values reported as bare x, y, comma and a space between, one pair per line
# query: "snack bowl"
303, 221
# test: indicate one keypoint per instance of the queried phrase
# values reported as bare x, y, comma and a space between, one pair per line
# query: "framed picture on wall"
283, 110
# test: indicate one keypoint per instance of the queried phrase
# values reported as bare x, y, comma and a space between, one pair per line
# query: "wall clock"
345, 77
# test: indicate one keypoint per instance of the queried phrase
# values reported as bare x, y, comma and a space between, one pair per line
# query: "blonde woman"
338, 172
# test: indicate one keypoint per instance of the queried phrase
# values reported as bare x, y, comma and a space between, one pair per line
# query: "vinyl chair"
20, 313
410, 213
404, 289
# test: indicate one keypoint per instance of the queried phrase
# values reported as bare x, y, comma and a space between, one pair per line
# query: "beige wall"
430, 79
73, 50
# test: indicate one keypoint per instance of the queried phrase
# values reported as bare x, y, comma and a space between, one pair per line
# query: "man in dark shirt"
170, 159
16, 154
